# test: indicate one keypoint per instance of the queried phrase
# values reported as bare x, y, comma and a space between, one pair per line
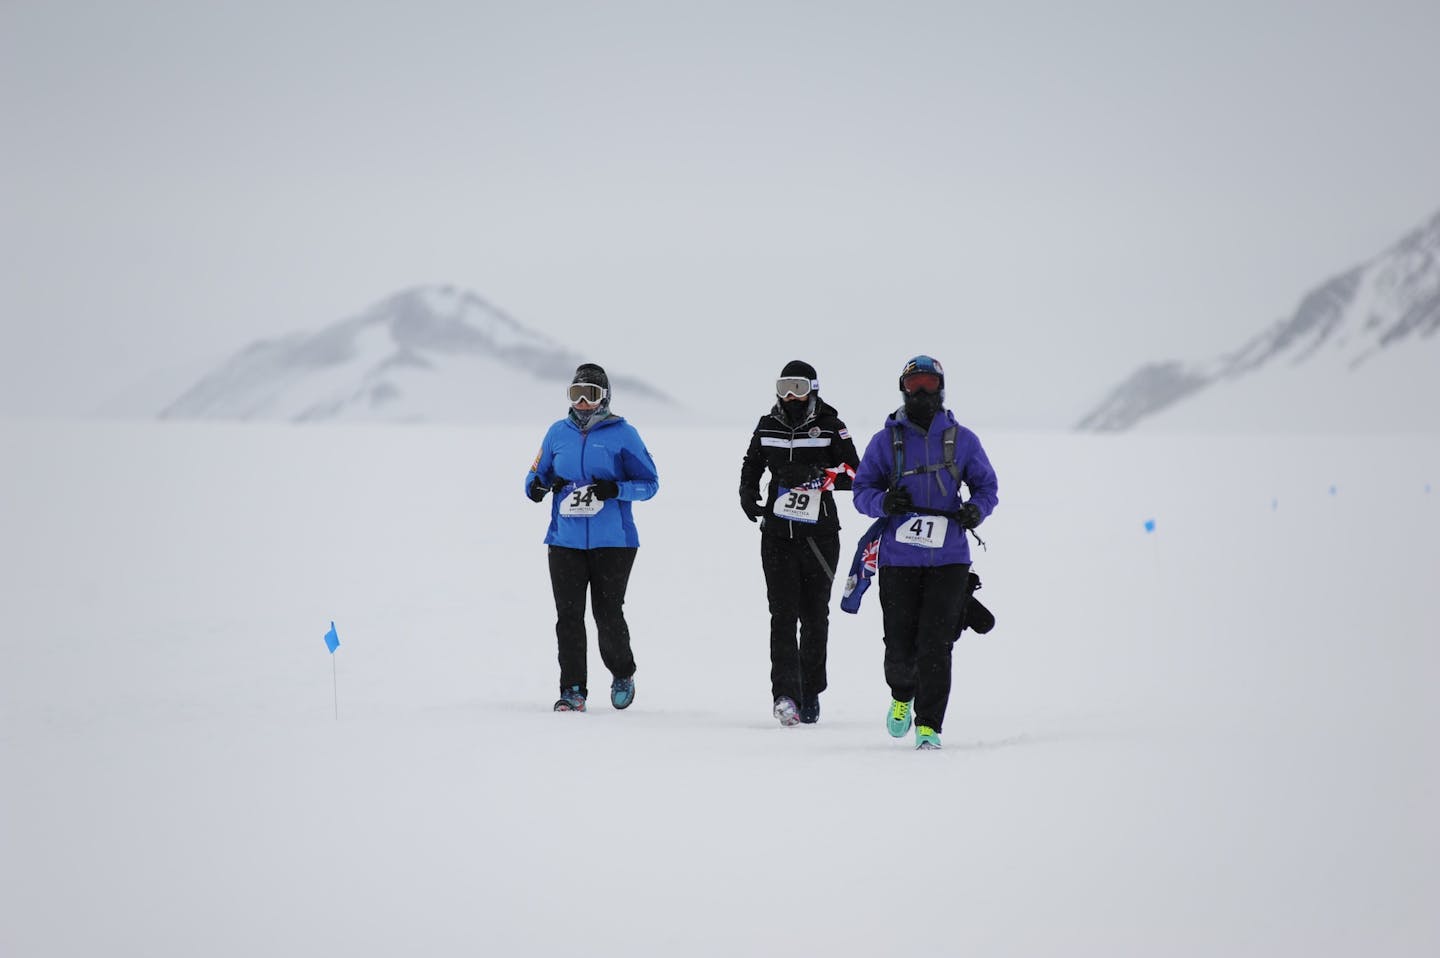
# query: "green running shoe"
926, 737
901, 714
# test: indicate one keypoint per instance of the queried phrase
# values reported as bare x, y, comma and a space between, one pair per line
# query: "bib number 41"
928, 532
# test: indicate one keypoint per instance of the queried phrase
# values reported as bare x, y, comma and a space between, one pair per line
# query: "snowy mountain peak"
1356, 354
447, 320
425, 354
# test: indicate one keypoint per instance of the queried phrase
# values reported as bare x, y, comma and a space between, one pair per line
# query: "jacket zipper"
929, 496
791, 522
584, 439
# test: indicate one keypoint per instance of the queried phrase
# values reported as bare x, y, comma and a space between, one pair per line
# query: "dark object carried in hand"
975, 616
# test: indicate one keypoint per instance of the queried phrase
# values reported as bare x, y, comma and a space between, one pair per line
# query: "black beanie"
796, 368
592, 374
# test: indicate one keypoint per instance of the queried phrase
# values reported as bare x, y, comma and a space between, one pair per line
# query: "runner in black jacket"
809, 452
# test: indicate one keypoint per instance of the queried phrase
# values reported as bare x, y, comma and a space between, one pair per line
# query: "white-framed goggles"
797, 386
586, 392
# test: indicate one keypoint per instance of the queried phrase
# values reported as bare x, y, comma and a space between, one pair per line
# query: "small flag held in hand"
332, 640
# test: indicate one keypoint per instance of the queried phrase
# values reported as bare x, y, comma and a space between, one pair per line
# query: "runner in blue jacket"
911, 474
596, 465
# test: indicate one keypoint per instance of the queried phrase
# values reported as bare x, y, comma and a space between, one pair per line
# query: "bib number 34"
581, 503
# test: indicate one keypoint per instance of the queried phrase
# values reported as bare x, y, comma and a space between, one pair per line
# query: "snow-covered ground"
1219, 738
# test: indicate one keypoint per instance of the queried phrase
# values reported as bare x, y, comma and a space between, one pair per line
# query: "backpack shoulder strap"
949, 440
897, 440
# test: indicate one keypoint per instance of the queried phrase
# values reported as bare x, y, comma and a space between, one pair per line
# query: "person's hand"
537, 490
970, 516
897, 502
605, 489
558, 484
792, 474
751, 505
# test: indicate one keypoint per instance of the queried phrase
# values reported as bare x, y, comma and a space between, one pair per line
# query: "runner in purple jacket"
911, 473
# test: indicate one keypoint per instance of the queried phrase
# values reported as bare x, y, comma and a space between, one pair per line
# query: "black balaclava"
797, 411
921, 408
595, 376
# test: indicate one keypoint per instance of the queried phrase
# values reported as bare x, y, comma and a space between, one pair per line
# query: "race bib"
580, 503
798, 505
928, 532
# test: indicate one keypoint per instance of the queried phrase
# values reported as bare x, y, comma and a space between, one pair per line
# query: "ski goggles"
921, 383
797, 386
586, 392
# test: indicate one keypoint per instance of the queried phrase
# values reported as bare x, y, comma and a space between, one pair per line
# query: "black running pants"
798, 589
605, 573
922, 607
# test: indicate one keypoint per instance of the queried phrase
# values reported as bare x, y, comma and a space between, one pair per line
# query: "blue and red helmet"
923, 374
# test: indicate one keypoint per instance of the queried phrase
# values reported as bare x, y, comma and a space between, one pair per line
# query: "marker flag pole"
332, 642
1149, 527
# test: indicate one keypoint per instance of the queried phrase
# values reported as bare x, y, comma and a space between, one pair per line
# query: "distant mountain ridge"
1345, 338
428, 353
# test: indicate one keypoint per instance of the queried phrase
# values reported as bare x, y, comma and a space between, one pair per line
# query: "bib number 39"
581, 503
928, 532
798, 505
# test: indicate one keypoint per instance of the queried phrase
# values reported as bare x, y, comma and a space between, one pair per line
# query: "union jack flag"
870, 557
864, 567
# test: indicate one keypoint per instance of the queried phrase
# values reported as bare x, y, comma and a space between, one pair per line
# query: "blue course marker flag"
332, 641
1149, 525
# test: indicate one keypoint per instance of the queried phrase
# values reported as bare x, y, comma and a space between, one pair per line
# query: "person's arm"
845, 454
752, 468
638, 479
980, 480
872, 478
538, 479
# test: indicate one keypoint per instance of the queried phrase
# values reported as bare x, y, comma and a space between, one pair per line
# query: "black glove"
558, 484
537, 490
970, 516
751, 505
897, 502
605, 489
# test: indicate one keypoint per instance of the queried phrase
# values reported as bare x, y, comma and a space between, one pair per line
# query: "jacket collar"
944, 416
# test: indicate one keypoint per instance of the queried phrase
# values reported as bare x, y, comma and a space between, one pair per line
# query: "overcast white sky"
1042, 194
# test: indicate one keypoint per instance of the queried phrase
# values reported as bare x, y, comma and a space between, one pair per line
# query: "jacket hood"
601, 418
